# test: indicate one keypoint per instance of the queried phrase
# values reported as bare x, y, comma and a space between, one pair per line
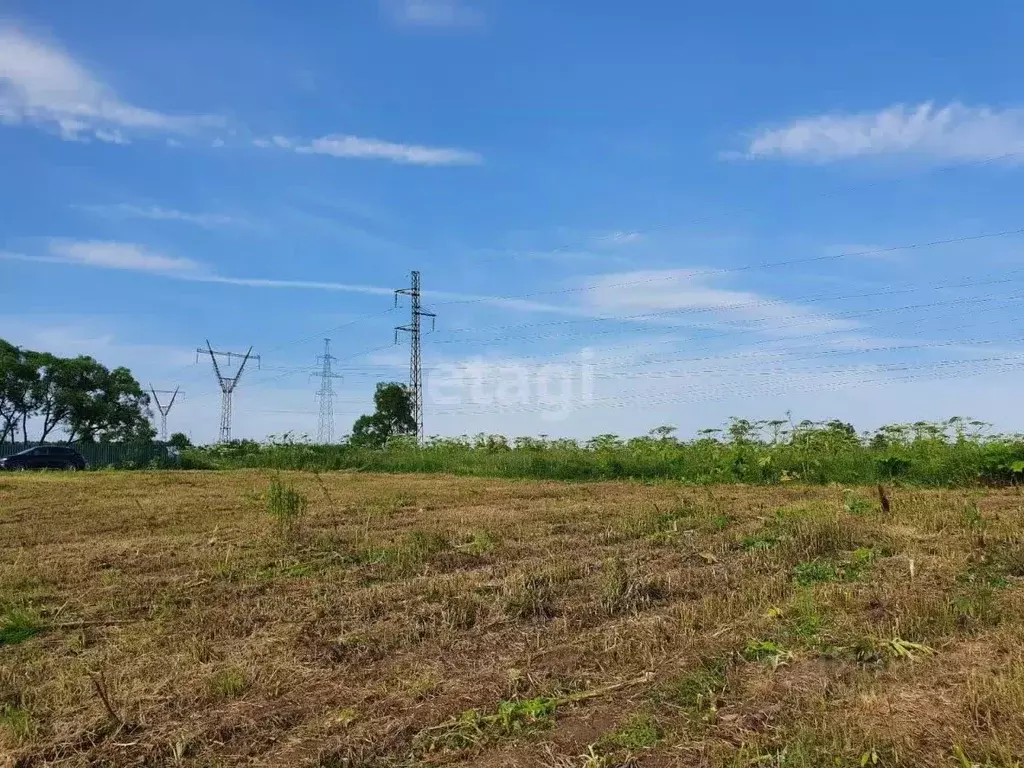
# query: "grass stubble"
352, 620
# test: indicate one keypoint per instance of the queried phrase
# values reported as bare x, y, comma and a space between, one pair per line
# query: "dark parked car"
45, 457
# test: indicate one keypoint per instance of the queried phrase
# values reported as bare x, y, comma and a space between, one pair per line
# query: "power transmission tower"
164, 409
413, 329
325, 427
227, 383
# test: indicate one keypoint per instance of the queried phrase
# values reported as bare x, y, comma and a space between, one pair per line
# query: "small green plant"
766, 651
19, 624
699, 690
287, 506
228, 683
480, 544
814, 571
805, 620
858, 562
641, 731
473, 728
856, 505
760, 542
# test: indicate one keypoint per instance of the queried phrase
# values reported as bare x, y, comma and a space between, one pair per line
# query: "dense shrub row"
957, 452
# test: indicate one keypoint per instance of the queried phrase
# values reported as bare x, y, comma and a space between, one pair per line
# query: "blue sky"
711, 200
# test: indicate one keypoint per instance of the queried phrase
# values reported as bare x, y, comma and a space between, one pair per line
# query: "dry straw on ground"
174, 619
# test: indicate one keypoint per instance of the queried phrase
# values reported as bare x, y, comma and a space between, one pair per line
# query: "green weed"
698, 690
474, 728
228, 683
19, 624
814, 571
17, 722
286, 506
766, 651
641, 731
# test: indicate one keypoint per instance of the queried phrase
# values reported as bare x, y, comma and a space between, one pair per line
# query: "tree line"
76, 399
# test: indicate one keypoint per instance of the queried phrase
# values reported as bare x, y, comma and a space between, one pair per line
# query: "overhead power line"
825, 194
743, 268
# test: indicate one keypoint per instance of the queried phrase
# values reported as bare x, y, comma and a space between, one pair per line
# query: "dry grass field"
172, 619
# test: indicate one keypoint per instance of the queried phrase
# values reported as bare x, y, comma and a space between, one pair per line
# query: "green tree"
18, 374
392, 417
179, 440
78, 396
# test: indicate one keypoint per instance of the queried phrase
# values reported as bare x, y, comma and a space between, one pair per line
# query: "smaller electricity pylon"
164, 409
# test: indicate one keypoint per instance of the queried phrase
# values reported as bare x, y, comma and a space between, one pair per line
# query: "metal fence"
118, 455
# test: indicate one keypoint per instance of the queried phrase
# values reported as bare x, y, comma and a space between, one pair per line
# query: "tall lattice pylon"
415, 354
163, 409
227, 383
325, 427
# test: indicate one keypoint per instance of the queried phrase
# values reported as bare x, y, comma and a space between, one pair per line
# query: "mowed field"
170, 619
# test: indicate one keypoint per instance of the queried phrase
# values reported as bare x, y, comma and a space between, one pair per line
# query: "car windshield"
29, 452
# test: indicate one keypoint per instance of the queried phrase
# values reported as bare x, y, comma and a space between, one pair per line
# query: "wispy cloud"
157, 213
952, 132
42, 85
127, 256
341, 145
138, 258
701, 303
432, 13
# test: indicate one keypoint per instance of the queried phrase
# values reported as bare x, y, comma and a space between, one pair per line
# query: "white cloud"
340, 145
432, 13
700, 303
111, 137
42, 85
127, 256
156, 213
953, 132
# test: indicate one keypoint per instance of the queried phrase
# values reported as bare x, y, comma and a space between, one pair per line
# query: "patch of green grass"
640, 732
19, 624
480, 544
760, 542
17, 722
813, 572
995, 567
857, 505
698, 690
767, 651
805, 621
720, 522
860, 560
229, 683
473, 728
976, 607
